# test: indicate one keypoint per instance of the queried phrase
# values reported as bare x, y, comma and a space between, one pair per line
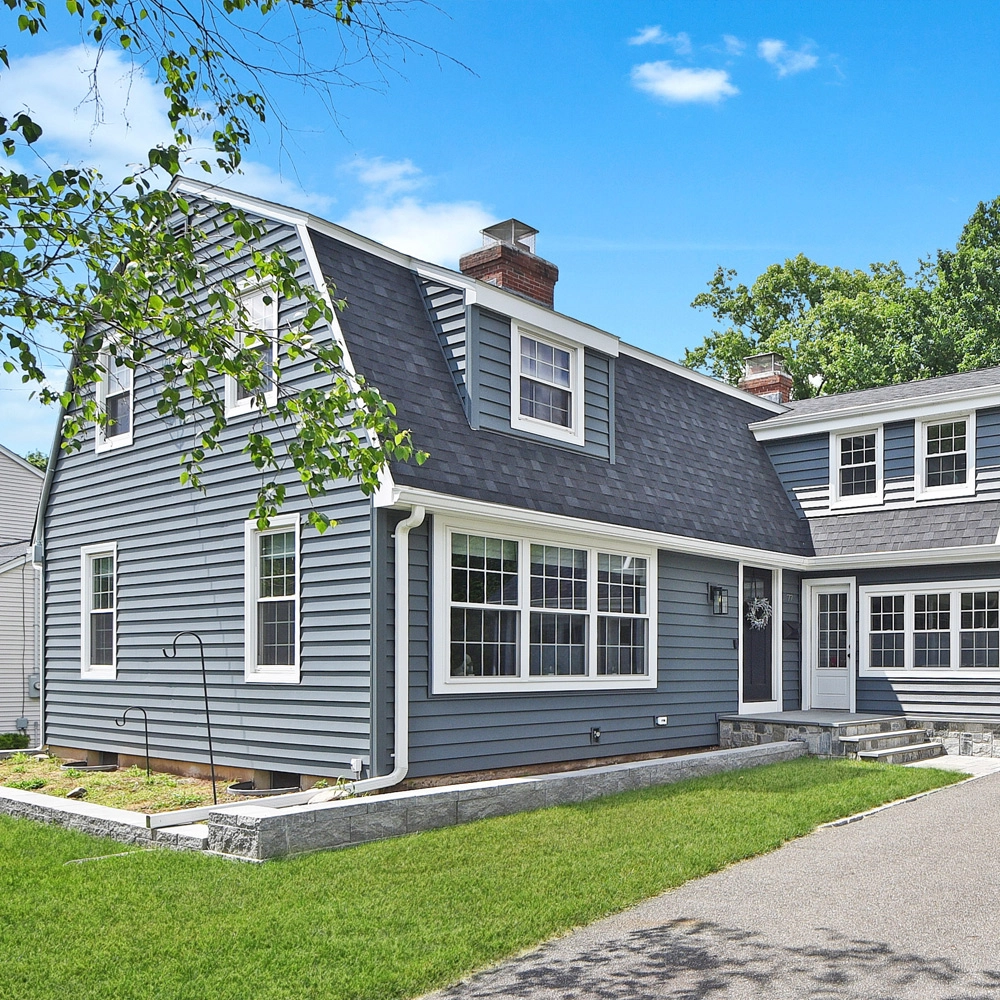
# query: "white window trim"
921, 490
575, 433
254, 672
837, 502
101, 671
444, 683
235, 407
103, 443
909, 591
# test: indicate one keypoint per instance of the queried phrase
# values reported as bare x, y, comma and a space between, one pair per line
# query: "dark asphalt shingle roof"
686, 462
898, 529
984, 378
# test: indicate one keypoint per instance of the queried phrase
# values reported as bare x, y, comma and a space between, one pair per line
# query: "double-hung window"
98, 611
546, 386
115, 401
946, 457
257, 334
272, 577
945, 627
856, 467
519, 611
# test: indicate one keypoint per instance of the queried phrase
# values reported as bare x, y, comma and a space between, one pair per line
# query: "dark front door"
758, 628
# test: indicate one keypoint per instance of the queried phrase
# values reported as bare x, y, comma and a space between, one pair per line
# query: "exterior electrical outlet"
662, 720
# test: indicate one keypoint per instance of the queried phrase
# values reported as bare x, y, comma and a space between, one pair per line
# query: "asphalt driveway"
904, 903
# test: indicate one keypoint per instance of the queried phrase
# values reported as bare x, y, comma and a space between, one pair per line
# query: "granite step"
903, 755
884, 741
889, 724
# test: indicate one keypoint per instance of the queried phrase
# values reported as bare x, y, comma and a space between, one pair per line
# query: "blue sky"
648, 142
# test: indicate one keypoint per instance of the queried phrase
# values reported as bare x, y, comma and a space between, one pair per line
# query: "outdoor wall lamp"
718, 597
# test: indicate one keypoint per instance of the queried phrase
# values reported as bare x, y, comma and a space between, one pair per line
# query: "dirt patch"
126, 788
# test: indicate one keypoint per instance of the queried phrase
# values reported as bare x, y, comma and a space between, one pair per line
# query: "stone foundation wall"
819, 740
257, 832
962, 736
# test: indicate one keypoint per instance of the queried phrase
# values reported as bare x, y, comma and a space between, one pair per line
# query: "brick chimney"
508, 260
765, 375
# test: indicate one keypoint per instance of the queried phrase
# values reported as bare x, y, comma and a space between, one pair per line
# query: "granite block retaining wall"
257, 832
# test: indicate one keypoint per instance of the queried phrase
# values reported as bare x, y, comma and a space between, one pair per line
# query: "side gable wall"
181, 567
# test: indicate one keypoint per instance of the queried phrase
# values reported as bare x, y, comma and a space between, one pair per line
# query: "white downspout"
401, 660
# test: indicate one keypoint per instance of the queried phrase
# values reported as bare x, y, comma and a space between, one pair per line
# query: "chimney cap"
511, 232
756, 365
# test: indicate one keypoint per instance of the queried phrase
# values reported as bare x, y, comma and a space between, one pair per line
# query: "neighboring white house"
20, 488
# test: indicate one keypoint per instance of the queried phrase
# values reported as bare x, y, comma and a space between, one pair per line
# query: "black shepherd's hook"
145, 719
204, 684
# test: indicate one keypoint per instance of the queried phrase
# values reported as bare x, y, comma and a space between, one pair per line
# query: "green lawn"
390, 919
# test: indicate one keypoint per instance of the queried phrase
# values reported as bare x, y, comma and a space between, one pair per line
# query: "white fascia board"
444, 503
406, 496
691, 375
939, 404
480, 292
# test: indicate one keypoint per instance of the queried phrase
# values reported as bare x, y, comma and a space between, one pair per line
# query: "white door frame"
808, 646
774, 705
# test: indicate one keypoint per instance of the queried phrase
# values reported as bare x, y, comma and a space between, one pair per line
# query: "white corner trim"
253, 672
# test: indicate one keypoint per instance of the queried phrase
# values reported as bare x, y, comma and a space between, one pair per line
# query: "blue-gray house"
604, 555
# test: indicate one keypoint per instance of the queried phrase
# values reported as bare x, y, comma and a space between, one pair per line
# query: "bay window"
517, 611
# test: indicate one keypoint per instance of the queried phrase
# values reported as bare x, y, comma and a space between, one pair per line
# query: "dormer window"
946, 458
114, 397
547, 387
856, 468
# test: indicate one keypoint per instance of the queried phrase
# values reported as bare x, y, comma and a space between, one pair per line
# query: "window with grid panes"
945, 454
276, 604
932, 630
858, 471
546, 382
887, 631
979, 635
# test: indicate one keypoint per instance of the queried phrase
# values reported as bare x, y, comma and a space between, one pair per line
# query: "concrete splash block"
257, 832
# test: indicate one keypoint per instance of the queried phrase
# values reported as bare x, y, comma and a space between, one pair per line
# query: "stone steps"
903, 755
883, 741
890, 724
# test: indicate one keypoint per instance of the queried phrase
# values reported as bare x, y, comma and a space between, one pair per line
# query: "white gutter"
401, 660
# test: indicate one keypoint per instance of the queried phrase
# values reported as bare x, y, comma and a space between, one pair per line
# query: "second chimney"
508, 260
765, 375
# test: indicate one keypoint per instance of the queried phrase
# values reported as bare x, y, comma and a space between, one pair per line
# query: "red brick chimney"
765, 375
508, 260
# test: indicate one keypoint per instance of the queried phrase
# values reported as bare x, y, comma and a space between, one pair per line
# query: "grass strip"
391, 919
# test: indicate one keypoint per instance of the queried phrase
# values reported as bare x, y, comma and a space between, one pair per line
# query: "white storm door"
830, 653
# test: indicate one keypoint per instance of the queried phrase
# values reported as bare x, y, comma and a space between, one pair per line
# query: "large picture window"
950, 627
271, 635
98, 611
541, 613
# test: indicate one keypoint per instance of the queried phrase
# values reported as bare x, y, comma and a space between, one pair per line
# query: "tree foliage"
840, 330
105, 264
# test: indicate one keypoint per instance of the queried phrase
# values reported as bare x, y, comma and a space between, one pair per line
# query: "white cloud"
436, 231
262, 181
683, 86
655, 35
734, 46
785, 60
110, 127
388, 176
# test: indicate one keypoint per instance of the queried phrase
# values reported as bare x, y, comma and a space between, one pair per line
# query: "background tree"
97, 260
840, 330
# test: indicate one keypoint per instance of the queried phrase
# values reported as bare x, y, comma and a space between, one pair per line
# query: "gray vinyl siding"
447, 312
897, 463
493, 390
18, 648
803, 466
953, 695
181, 567
697, 680
988, 453
791, 647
